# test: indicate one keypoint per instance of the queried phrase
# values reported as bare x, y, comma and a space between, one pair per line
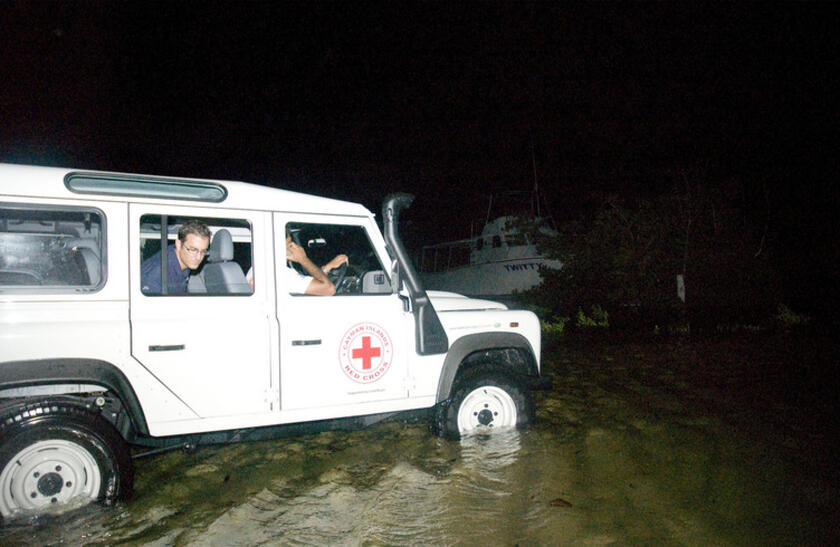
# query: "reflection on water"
595, 469
394, 501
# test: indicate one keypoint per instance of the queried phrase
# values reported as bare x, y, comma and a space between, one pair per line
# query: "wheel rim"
48, 473
486, 408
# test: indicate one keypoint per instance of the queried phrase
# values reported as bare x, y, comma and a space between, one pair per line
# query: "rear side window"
51, 249
219, 266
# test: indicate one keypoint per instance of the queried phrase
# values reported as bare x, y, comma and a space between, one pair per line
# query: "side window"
322, 243
51, 249
205, 256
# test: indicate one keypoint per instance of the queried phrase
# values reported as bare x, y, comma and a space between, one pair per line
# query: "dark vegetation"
701, 257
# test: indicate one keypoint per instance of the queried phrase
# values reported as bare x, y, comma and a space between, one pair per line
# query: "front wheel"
56, 454
482, 403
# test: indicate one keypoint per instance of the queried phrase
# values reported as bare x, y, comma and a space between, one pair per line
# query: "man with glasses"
184, 256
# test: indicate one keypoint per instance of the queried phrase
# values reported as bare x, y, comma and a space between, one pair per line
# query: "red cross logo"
366, 352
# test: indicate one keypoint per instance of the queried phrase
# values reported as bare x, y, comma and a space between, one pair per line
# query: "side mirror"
376, 282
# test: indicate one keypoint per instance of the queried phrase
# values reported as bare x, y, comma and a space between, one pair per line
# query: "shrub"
787, 318
598, 318
552, 331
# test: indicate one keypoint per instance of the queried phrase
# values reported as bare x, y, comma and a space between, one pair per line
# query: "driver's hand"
294, 252
336, 262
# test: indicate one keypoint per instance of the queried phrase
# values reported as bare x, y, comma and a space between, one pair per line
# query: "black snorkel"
429, 334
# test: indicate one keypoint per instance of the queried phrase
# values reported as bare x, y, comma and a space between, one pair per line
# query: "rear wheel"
483, 402
55, 454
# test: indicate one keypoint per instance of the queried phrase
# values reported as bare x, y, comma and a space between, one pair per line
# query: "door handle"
306, 342
173, 347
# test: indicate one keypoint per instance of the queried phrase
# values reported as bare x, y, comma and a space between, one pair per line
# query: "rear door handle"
173, 347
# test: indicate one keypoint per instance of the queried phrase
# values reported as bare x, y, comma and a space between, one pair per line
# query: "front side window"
324, 247
203, 256
51, 249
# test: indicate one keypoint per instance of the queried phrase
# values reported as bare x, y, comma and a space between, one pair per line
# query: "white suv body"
82, 348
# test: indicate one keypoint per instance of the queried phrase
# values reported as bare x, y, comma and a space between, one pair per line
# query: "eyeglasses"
193, 251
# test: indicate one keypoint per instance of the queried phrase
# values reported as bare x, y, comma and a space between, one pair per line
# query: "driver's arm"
318, 288
336, 262
320, 284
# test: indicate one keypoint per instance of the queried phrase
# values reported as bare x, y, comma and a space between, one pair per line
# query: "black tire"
54, 451
482, 401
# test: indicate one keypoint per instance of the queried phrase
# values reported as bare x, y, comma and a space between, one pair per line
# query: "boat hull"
495, 279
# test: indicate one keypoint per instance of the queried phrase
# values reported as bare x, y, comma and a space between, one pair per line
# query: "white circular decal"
365, 353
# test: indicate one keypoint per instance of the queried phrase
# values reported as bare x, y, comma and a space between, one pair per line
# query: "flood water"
624, 451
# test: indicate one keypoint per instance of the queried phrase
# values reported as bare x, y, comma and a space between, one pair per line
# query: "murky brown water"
611, 460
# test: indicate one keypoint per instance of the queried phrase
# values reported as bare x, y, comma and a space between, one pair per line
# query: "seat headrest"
221, 248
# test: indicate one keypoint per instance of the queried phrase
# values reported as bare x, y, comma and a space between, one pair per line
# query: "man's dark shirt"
176, 278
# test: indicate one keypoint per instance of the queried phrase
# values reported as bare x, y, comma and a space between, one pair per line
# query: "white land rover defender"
91, 364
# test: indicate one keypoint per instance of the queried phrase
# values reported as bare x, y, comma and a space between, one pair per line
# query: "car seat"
221, 274
89, 251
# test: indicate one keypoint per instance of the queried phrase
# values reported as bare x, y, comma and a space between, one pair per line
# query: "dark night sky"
354, 100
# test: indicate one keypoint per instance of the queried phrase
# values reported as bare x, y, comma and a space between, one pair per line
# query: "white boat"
498, 262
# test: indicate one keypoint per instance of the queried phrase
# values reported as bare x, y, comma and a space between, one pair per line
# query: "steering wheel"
337, 275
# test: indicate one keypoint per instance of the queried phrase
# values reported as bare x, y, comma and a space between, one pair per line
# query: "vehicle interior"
51, 247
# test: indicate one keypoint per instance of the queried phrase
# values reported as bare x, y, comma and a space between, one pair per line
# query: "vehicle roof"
49, 182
